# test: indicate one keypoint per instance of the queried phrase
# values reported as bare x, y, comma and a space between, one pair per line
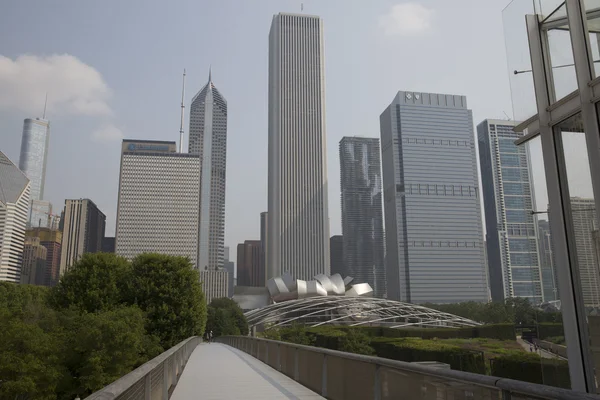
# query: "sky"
112, 70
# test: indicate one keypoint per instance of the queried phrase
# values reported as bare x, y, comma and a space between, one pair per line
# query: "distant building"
208, 140
108, 245
230, 268
34, 262
297, 171
433, 224
547, 264
34, 154
84, 226
214, 284
264, 239
14, 205
51, 239
584, 224
512, 252
336, 255
159, 200
249, 264
40, 215
362, 211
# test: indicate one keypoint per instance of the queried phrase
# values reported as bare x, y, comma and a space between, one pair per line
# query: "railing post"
267, 353
278, 357
324, 377
506, 395
296, 371
148, 386
166, 385
174, 369
377, 383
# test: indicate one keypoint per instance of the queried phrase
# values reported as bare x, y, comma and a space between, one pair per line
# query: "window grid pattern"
297, 182
208, 140
362, 211
433, 219
512, 240
158, 205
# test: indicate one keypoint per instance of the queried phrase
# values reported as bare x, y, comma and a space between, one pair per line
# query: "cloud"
107, 133
407, 19
73, 87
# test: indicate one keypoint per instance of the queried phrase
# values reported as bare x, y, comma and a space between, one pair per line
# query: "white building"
208, 140
14, 203
214, 284
158, 200
298, 240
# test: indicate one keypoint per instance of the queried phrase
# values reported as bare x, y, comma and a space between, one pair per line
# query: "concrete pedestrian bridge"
240, 367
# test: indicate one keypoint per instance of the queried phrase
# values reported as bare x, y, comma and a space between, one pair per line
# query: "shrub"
549, 329
531, 368
414, 349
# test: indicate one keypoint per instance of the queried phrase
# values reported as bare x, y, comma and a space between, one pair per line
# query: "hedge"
531, 368
497, 331
549, 329
415, 349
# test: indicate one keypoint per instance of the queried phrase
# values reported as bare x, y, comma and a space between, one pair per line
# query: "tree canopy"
105, 317
225, 317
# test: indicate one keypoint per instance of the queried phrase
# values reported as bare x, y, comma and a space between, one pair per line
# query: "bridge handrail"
152, 380
504, 387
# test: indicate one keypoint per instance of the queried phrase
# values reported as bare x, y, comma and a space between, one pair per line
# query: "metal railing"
339, 375
154, 379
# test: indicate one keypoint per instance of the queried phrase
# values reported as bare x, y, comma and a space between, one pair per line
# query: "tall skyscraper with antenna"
32, 161
298, 240
208, 139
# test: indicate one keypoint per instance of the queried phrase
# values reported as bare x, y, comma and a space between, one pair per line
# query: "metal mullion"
557, 217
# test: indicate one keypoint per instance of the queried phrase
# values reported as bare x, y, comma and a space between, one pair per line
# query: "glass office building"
553, 55
512, 245
433, 228
34, 152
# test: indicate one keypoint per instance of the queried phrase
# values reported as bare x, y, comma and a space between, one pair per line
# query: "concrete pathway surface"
218, 371
541, 352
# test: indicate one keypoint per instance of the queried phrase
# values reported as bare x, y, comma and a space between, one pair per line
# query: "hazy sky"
112, 70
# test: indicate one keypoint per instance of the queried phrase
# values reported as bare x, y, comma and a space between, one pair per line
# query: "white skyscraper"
208, 139
158, 203
298, 240
14, 200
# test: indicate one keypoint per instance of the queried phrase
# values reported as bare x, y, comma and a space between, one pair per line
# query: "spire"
45, 104
182, 112
210, 73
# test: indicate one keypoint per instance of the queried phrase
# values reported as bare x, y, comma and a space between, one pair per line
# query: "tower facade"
83, 232
158, 204
208, 140
362, 211
34, 153
434, 238
298, 240
14, 203
512, 241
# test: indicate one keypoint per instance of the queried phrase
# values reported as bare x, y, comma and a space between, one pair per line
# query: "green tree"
102, 347
221, 322
235, 312
168, 290
96, 282
30, 349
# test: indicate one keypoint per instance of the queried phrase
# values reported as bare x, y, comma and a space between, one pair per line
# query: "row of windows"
430, 243
438, 142
438, 190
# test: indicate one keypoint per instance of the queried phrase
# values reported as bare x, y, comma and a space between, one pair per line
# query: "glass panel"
592, 8
560, 54
584, 238
518, 58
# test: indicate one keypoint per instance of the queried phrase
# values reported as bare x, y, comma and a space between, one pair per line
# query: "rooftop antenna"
182, 113
507, 117
301, 6
45, 104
